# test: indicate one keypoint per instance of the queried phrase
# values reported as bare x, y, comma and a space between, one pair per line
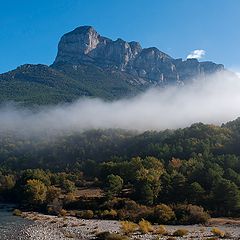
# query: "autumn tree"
35, 192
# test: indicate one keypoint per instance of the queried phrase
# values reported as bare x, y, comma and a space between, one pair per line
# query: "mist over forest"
213, 99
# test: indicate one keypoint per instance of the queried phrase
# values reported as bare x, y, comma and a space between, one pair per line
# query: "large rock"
85, 46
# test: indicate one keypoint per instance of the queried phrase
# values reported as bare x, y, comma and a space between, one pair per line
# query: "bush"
197, 214
87, 214
63, 213
110, 236
108, 214
161, 230
145, 226
68, 186
17, 212
180, 233
163, 214
69, 198
52, 193
217, 232
135, 212
190, 214
128, 227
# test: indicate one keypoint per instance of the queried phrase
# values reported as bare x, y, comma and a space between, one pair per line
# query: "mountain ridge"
88, 64
86, 45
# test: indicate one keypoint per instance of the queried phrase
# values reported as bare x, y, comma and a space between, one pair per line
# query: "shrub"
161, 230
128, 227
63, 213
163, 214
190, 214
180, 232
68, 186
17, 212
87, 214
130, 210
52, 193
110, 236
145, 226
69, 198
108, 214
217, 232
197, 214
113, 213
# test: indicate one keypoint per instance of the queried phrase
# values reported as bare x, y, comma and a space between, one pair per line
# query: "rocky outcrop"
85, 46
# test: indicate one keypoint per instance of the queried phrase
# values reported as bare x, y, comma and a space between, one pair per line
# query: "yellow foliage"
128, 227
176, 163
63, 213
161, 230
113, 213
17, 212
145, 226
218, 232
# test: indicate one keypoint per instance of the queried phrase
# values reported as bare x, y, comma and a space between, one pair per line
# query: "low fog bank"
214, 99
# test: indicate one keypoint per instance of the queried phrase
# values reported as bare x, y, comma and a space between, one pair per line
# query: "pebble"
58, 228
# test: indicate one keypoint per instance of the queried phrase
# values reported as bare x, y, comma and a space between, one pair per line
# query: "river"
11, 227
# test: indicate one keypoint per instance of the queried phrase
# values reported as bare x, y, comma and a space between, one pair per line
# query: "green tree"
35, 192
196, 193
7, 182
38, 174
148, 183
52, 193
146, 193
114, 184
226, 197
68, 186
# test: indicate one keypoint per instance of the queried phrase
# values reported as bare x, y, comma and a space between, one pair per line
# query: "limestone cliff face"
85, 46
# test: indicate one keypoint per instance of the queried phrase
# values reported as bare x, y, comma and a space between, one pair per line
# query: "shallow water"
11, 226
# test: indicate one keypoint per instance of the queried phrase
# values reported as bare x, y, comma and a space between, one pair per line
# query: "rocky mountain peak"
83, 30
85, 46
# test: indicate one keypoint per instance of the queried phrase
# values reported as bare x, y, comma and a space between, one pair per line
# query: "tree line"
181, 175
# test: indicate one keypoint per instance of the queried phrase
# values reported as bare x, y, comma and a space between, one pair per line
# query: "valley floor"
62, 228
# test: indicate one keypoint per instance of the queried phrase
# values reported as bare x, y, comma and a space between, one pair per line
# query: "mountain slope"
88, 64
40, 84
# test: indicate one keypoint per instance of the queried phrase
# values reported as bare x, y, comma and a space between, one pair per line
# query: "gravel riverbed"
47, 227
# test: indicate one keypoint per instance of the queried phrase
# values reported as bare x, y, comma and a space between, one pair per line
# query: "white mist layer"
212, 100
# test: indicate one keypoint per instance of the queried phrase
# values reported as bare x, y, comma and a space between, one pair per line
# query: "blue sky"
30, 29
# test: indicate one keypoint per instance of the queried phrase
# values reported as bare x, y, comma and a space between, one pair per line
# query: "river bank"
63, 228
12, 226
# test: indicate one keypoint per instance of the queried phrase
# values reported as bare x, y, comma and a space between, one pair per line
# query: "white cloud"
238, 74
198, 54
235, 70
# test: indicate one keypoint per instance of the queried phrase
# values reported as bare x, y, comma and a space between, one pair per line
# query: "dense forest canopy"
183, 169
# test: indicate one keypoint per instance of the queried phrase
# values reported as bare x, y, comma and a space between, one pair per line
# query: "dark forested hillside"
42, 85
198, 165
